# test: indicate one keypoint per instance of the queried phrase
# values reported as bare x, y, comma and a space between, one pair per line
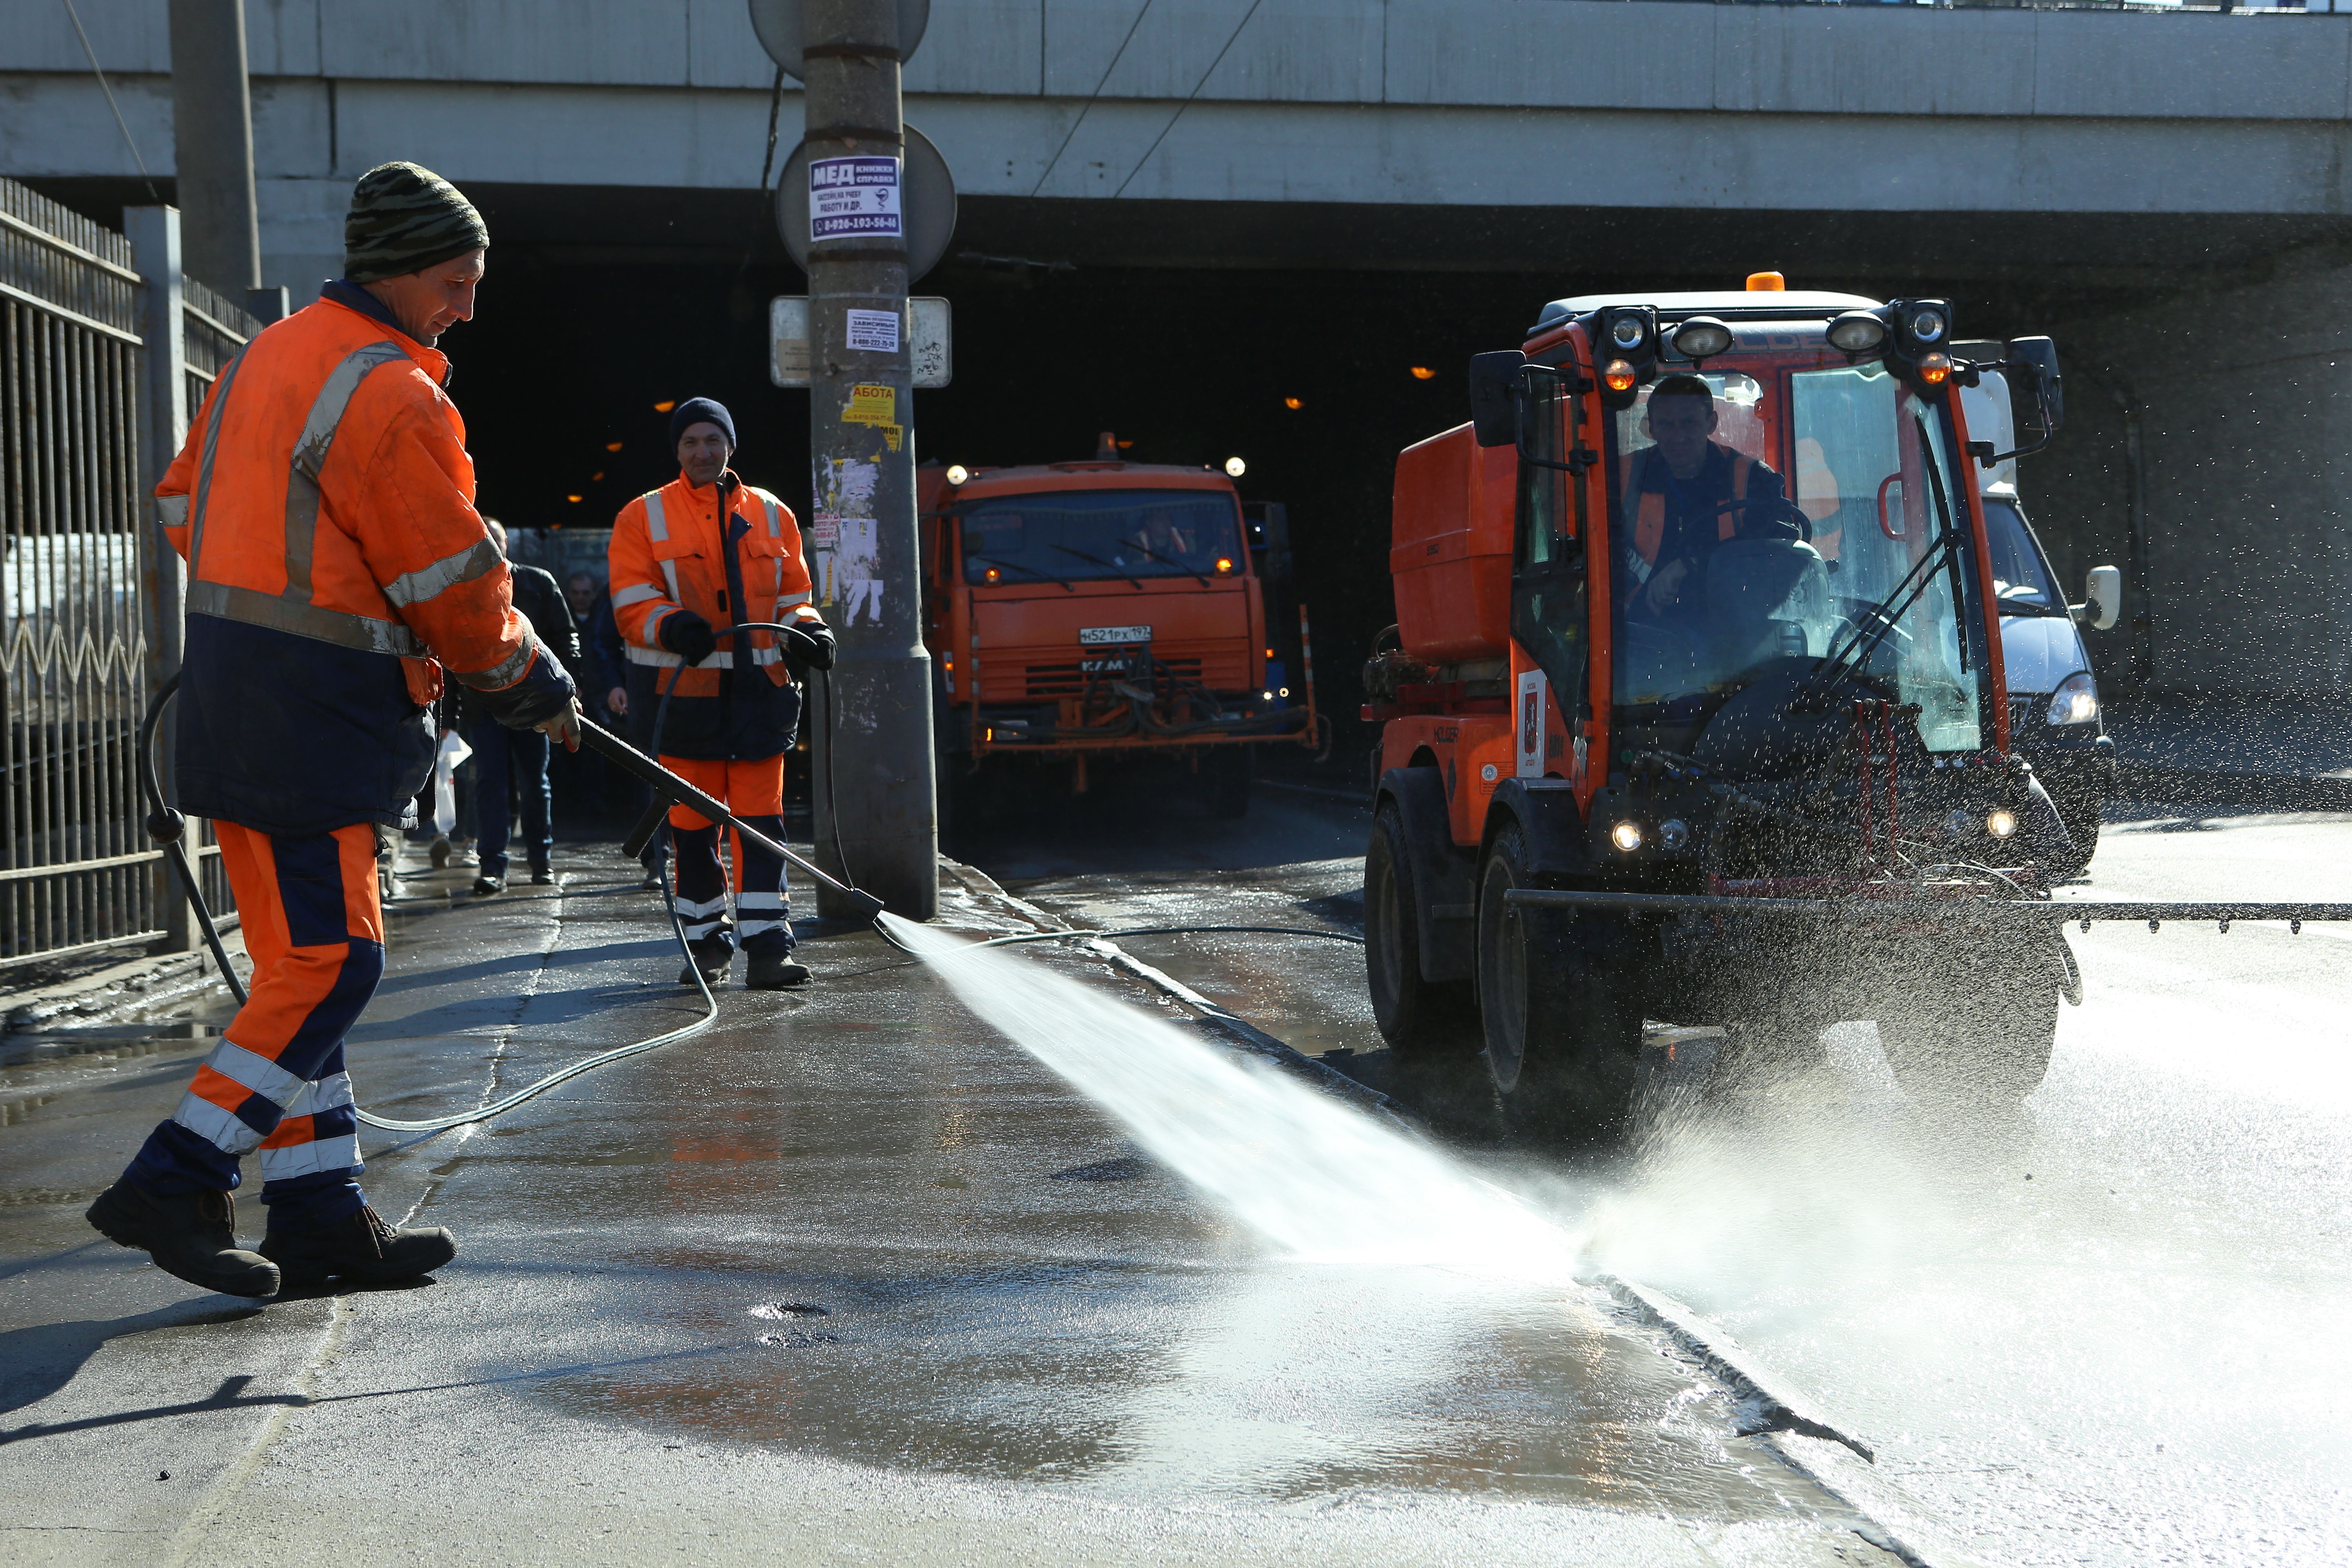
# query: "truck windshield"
1764, 511
2020, 579
1078, 535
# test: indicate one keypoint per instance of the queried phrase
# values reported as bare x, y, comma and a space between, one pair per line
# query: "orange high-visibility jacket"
1647, 509
667, 555
325, 504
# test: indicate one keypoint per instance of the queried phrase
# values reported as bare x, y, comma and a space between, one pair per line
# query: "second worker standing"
691, 562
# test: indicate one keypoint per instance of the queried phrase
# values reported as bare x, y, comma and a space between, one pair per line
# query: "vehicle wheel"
1976, 1039
951, 788
1418, 1018
2081, 815
1562, 1015
1225, 776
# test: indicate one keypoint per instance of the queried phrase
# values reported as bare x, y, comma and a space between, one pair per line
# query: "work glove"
564, 727
807, 644
688, 635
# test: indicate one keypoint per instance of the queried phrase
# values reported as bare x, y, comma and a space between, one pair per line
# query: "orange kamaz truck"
1693, 711
1086, 615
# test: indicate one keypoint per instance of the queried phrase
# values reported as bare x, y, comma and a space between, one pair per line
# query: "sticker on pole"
849, 197
873, 331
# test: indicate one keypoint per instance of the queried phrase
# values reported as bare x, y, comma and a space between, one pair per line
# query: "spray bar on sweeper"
1969, 909
671, 790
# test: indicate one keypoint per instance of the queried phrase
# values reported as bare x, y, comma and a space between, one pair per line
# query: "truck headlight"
1626, 836
2000, 822
2076, 701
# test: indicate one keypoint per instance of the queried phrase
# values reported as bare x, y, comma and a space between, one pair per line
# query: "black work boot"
363, 1249
710, 957
774, 972
192, 1236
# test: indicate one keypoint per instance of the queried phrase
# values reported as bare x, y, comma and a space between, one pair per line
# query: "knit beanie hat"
697, 411
404, 218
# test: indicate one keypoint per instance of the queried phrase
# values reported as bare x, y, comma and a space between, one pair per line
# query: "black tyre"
1418, 1018
2081, 815
1559, 996
1976, 1039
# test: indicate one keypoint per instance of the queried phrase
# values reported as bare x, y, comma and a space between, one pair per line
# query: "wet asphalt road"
2108, 1331
847, 1278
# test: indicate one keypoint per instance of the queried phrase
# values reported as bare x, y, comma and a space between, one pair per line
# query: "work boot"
361, 1249
485, 884
774, 972
191, 1236
542, 874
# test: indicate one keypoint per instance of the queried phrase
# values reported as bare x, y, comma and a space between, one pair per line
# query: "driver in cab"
1683, 496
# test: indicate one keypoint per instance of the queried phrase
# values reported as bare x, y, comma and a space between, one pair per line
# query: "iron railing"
78, 872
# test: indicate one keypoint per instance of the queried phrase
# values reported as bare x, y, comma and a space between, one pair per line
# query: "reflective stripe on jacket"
667, 555
324, 501
1648, 508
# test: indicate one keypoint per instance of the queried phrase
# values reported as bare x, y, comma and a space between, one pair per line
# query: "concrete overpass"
1574, 117
2133, 181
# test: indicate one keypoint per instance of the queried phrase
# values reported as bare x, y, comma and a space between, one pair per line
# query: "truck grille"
1069, 679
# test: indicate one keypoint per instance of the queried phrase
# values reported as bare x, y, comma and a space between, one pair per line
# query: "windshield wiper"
1098, 561
1018, 566
1151, 554
1880, 617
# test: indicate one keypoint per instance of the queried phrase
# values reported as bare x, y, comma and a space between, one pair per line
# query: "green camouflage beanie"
404, 218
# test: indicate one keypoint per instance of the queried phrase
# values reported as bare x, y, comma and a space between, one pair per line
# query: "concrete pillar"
881, 804
212, 119
156, 255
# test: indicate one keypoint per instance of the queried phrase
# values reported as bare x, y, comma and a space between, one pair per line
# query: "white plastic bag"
453, 751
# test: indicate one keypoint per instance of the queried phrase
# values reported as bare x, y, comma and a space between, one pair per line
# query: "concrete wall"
2246, 440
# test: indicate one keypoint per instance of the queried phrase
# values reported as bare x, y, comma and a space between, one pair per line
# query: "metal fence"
77, 547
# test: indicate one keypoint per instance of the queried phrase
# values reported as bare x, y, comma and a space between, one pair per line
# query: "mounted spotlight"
1857, 331
1629, 337
957, 473
1917, 349
1702, 338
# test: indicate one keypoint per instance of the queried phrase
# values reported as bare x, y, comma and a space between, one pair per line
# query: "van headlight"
2076, 701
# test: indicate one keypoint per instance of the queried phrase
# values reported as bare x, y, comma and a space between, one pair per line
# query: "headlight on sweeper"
2076, 701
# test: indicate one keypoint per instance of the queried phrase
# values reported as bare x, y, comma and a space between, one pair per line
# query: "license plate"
1098, 637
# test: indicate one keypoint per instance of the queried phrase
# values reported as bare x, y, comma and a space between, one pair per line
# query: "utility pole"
212, 119
876, 808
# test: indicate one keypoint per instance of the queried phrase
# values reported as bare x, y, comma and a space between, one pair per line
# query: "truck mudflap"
1445, 877
1971, 910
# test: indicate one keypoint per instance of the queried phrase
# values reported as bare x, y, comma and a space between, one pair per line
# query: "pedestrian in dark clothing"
635, 722
507, 760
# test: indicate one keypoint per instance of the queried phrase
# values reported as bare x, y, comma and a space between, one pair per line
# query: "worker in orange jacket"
337, 568
689, 563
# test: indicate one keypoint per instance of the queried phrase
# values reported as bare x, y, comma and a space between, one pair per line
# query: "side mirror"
2105, 592
2038, 358
1494, 404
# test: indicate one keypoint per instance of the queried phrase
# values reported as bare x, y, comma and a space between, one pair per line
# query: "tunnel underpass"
1314, 343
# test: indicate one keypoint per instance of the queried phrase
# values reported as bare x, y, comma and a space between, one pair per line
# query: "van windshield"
2020, 578
1761, 510
1076, 535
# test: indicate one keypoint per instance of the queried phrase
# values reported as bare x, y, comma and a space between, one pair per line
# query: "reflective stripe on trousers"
275, 1083
753, 791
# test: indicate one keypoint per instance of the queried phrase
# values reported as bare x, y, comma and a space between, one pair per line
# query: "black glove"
688, 635
807, 644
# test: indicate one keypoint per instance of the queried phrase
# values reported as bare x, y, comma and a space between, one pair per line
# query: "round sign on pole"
927, 200
778, 22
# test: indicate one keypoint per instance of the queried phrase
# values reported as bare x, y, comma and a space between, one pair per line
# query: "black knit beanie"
700, 410
404, 219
